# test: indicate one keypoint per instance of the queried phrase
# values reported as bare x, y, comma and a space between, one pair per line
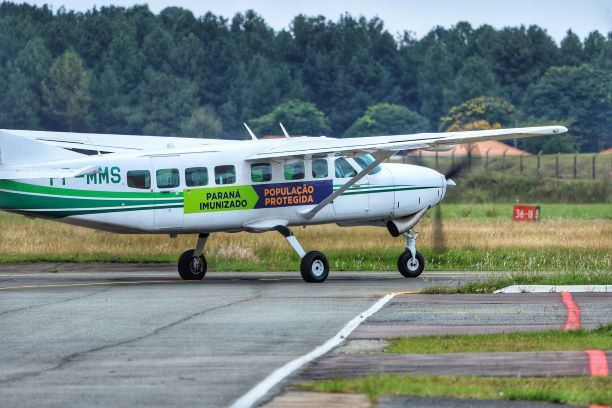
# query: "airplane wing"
383, 147
302, 146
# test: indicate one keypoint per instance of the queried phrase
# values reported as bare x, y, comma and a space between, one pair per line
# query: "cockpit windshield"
365, 160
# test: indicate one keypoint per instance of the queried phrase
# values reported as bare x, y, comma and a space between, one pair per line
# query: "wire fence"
577, 166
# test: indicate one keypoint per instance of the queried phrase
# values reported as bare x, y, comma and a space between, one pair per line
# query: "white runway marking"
251, 397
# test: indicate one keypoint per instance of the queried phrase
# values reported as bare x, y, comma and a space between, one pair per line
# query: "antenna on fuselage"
250, 131
284, 130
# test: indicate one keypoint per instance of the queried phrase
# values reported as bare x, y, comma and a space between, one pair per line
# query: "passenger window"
225, 174
167, 178
196, 176
261, 172
319, 168
294, 170
343, 168
139, 179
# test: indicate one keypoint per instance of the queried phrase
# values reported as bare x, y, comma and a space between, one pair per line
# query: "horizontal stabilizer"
20, 151
17, 173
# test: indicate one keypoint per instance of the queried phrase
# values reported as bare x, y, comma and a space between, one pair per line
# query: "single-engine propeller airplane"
155, 185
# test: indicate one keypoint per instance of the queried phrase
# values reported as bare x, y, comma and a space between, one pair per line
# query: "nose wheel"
411, 263
410, 266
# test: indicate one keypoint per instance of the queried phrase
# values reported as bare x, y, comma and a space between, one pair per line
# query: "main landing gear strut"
192, 264
314, 266
411, 263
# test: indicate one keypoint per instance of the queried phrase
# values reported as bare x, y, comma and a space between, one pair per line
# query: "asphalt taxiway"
117, 335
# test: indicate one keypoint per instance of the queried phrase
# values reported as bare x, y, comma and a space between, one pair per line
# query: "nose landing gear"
411, 263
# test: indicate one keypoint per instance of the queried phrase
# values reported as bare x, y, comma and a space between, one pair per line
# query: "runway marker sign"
526, 213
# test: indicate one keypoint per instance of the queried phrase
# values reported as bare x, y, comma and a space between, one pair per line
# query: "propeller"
439, 242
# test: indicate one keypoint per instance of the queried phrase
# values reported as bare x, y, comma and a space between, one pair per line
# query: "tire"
410, 267
190, 270
314, 267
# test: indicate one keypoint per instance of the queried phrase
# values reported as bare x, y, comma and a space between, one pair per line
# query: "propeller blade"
439, 243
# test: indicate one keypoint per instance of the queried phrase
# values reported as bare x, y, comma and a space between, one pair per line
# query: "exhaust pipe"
399, 226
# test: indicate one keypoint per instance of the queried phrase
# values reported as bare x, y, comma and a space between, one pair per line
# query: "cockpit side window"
365, 160
343, 168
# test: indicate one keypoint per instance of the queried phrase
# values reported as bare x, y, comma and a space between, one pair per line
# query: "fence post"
453, 158
594, 160
436, 160
504, 160
539, 157
557, 164
487, 159
420, 157
469, 153
575, 165
521, 159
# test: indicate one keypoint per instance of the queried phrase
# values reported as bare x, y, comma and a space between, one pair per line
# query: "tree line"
128, 70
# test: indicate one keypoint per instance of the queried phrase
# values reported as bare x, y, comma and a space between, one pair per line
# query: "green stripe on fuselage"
33, 188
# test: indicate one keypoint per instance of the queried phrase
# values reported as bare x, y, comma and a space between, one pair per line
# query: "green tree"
593, 47
435, 83
475, 78
571, 49
484, 112
164, 102
204, 123
388, 119
20, 97
66, 92
298, 117
580, 96
19, 104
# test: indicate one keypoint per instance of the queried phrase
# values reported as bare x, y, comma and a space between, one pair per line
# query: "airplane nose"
450, 183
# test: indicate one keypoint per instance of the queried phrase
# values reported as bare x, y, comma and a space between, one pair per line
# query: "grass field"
583, 276
565, 390
599, 339
569, 238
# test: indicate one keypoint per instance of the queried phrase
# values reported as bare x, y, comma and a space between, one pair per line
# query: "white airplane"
165, 185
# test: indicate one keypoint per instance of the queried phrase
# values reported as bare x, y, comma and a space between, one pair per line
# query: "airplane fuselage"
209, 192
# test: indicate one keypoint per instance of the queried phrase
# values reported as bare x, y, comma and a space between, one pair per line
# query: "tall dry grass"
19, 235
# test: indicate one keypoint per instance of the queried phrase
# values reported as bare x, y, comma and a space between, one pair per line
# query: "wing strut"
381, 156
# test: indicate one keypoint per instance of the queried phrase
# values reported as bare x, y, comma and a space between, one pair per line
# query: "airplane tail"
22, 158
20, 151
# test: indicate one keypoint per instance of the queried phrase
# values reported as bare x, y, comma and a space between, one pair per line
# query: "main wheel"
314, 267
410, 267
191, 267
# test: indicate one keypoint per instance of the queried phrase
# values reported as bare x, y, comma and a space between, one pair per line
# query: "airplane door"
167, 171
355, 201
